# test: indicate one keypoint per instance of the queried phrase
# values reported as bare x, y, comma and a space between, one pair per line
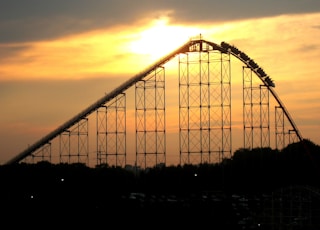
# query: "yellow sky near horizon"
286, 46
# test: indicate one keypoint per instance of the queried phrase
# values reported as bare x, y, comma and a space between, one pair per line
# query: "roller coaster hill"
205, 115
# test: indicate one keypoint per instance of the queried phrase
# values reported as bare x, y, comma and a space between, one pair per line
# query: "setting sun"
161, 38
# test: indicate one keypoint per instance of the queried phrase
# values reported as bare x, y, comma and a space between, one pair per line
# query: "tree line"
29, 190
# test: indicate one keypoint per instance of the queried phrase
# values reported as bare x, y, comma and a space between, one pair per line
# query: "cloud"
7, 51
41, 20
309, 48
316, 27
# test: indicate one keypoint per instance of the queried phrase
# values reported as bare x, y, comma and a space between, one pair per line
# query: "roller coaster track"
264, 78
198, 45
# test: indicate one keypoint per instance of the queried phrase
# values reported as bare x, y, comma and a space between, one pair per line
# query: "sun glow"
161, 38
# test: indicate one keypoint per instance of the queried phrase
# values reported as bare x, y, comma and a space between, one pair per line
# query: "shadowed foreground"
257, 189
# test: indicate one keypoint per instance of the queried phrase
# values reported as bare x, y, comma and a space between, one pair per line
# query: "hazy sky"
58, 57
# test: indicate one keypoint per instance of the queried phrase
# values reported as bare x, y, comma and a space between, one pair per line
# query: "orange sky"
45, 82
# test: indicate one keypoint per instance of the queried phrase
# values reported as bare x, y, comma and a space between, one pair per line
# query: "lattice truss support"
111, 132
283, 135
74, 143
73, 146
43, 154
204, 106
256, 116
150, 120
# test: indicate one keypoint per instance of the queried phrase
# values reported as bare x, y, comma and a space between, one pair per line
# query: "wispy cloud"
8, 51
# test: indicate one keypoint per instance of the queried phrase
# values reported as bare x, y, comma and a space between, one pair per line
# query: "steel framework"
111, 132
256, 123
151, 120
205, 124
204, 106
74, 144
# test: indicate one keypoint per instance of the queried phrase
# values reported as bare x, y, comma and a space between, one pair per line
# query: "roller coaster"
205, 124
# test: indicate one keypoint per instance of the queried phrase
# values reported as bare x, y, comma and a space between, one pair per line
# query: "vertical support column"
111, 132
74, 144
190, 106
264, 117
150, 120
256, 122
101, 145
204, 106
247, 108
226, 150
220, 106
184, 108
279, 128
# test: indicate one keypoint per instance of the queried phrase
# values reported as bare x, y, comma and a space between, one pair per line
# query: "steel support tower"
150, 120
204, 105
256, 124
111, 132
74, 143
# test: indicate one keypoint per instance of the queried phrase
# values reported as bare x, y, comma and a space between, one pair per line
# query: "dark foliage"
74, 193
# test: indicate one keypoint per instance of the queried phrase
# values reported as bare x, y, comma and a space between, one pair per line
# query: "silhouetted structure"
205, 115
